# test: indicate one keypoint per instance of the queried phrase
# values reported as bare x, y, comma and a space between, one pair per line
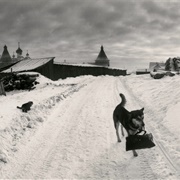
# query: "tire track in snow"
163, 150
85, 155
79, 141
152, 114
90, 156
65, 150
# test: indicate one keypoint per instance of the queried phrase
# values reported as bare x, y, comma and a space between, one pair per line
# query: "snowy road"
78, 140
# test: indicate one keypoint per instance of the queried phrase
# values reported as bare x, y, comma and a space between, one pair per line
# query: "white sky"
133, 32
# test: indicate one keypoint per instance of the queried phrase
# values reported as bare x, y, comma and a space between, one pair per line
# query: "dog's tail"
19, 107
123, 102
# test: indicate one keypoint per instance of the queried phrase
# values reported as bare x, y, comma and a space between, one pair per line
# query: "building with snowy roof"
43, 66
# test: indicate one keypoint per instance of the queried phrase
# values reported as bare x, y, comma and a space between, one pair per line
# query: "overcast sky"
133, 32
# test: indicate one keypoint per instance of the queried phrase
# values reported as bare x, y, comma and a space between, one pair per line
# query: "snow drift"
69, 133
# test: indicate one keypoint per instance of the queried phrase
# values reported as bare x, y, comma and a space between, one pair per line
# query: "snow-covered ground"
69, 132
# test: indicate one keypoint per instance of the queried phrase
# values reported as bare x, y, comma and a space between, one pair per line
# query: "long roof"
28, 64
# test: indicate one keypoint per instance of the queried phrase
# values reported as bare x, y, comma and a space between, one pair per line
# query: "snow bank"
14, 124
161, 99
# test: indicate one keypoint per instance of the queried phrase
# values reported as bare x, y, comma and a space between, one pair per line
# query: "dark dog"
131, 121
26, 106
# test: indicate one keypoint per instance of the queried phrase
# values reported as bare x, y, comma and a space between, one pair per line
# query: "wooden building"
43, 66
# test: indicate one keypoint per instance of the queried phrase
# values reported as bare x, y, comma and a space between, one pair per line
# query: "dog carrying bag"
139, 142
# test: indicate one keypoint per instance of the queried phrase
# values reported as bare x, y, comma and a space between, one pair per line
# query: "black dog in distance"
26, 106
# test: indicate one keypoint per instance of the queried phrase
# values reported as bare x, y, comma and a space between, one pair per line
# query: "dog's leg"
117, 132
122, 130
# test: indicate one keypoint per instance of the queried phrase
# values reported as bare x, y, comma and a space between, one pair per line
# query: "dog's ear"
142, 109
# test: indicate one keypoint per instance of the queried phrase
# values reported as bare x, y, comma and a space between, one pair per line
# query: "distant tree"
176, 67
167, 65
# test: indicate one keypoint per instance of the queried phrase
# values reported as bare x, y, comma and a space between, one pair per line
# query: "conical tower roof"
102, 55
5, 56
102, 59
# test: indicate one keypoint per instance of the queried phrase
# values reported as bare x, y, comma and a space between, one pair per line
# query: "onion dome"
19, 50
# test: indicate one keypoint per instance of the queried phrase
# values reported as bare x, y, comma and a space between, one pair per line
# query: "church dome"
19, 50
